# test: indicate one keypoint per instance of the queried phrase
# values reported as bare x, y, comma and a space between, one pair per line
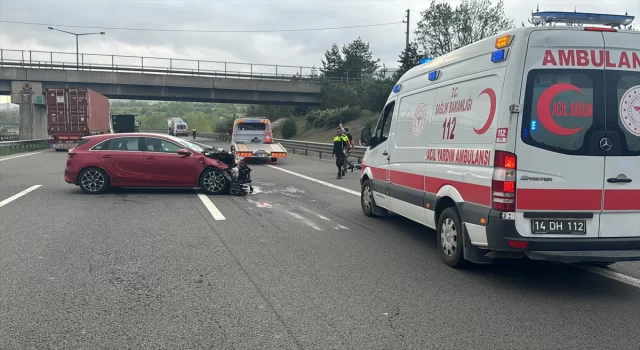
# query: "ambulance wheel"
449, 236
368, 203
213, 181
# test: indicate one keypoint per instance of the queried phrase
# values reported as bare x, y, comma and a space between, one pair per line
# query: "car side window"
123, 144
384, 124
161, 145
104, 145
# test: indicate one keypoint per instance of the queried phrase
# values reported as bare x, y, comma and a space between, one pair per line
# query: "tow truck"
253, 138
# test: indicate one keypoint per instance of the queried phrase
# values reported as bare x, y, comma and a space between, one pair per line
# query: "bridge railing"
8, 137
167, 66
8, 147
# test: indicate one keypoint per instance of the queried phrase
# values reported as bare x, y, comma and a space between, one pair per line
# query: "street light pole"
77, 44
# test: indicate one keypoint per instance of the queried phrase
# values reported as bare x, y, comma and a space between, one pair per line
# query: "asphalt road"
295, 265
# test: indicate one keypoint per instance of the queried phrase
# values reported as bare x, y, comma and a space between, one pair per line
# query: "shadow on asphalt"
530, 277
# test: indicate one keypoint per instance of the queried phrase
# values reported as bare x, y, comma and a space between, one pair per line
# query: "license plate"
567, 227
64, 145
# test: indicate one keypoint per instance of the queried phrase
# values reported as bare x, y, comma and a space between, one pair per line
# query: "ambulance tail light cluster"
503, 185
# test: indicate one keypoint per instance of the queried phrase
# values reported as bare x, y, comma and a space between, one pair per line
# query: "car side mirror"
184, 152
365, 136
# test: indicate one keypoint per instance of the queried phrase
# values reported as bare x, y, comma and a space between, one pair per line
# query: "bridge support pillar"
33, 111
33, 120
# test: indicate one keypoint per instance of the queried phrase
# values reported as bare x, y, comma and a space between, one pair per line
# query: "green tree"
289, 128
332, 64
443, 28
409, 58
358, 59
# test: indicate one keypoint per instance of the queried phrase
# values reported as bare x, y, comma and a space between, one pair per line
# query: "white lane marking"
16, 196
613, 275
217, 215
22, 155
355, 193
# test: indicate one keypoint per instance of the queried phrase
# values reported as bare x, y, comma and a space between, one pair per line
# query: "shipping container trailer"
73, 113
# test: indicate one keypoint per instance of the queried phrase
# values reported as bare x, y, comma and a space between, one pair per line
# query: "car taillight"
503, 185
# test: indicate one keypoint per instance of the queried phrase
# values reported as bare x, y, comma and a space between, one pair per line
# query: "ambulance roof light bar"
582, 18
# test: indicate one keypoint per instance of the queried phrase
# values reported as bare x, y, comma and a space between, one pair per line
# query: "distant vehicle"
153, 160
524, 144
179, 128
170, 124
125, 123
73, 113
253, 138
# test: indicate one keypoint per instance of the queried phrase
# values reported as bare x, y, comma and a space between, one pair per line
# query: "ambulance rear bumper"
502, 236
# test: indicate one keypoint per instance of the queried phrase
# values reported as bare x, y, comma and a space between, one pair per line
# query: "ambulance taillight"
503, 185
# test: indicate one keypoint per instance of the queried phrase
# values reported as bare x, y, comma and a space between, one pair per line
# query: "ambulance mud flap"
471, 252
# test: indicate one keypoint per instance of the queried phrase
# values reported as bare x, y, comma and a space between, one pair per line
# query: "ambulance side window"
561, 110
384, 124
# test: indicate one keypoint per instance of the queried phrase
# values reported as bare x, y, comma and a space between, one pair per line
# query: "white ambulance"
523, 144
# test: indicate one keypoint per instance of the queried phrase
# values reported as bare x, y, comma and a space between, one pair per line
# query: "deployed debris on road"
237, 173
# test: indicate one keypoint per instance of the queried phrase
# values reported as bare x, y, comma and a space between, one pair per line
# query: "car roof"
128, 134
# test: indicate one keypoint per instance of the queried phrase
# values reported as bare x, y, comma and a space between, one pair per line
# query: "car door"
560, 166
378, 157
122, 157
165, 167
621, 206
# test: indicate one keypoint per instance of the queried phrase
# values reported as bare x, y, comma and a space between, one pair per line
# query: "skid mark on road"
18, 195
306, 221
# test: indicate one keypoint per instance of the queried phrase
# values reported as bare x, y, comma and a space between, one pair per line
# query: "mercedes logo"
605, 144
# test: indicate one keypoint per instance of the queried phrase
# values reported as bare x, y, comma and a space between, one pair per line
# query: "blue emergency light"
396, 88
434, 75
426, 60
533, 125
498, 56
583, 18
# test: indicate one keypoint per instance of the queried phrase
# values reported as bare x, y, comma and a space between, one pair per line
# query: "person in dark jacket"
347, 163
340, 143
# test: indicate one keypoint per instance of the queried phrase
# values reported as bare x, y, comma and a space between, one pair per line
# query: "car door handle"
108, 157
149, 158
614, 180
385, 153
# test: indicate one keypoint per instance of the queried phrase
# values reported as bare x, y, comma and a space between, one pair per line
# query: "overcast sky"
290, 48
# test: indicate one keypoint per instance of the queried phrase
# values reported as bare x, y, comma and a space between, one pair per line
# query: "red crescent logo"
492, 110
544, 102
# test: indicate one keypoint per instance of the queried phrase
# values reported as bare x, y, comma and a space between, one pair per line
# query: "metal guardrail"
167, 66
23, 145
8, 137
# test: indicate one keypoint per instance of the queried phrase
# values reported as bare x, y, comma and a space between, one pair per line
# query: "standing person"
349, 150
194, 133
340, 143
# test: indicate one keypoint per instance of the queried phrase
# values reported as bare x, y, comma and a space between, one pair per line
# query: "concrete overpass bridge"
152, 78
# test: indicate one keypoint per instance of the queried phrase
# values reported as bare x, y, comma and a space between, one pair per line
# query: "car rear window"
562, 110
252, 126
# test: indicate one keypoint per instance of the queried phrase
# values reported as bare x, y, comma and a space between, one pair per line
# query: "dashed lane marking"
355, 193
18, 195
217, 215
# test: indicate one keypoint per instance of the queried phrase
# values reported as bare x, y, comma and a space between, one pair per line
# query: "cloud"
282, 48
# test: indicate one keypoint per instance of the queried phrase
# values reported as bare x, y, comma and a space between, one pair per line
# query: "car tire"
449, 237
93, 181
213, 181
367, 201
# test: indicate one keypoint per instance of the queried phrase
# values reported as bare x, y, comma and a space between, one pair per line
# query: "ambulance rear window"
252, 126
623, 108
560, 112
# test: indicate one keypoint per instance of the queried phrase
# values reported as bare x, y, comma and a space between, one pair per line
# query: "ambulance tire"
368, 202
450, 238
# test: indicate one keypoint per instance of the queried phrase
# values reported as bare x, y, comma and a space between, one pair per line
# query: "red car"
153, 160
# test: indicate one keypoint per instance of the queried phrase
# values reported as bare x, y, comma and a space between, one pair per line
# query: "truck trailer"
73, 113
